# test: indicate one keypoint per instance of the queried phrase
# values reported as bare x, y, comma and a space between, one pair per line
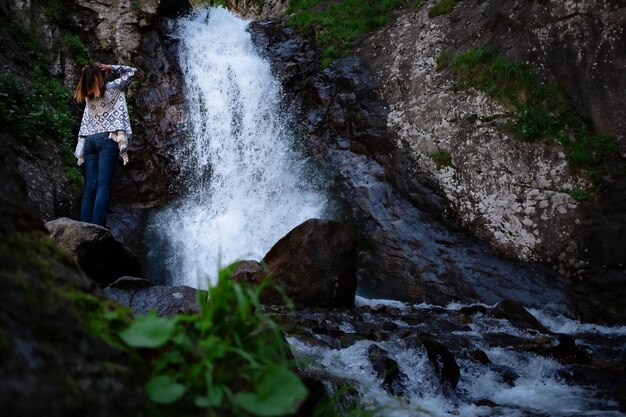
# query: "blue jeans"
100, 155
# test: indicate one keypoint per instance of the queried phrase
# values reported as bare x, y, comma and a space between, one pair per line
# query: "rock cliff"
396, 108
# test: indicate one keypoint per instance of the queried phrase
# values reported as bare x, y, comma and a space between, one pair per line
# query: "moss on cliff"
542, 111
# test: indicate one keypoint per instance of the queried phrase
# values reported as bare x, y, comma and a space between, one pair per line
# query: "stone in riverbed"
315, 264
97, 252
387, 369
167, 301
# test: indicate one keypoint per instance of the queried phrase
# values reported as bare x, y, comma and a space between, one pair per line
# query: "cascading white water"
246, 185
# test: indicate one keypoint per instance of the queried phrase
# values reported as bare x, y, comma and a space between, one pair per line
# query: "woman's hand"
104, 67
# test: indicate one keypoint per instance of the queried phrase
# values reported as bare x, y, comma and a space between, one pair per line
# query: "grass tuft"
441, 7
441, 158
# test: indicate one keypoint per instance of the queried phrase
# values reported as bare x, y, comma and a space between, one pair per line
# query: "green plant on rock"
542, 111
441, 158
580, 194
442, 7
77, 48
230, 358
337, 24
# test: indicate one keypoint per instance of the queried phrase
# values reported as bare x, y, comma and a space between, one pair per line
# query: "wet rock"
126, 225
386, 369
248, 271
567, 352
130, 283
315, 263
167, 301
518, 315
97, 252
480, 356
443, 362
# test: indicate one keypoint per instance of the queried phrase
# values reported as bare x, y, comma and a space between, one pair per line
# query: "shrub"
77, 48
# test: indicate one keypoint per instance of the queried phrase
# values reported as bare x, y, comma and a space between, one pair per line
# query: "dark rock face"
99, 254
159, 124
315, 263
140, 296
411, 253
15, 213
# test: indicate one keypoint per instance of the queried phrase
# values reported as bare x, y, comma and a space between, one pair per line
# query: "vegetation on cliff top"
335, 25
542, 111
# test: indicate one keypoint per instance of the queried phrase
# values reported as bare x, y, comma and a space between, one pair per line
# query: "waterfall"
246, 184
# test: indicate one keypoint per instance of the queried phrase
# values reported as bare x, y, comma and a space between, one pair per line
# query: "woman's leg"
90, 153
107, 160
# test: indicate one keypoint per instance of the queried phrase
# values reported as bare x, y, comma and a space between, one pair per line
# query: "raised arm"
125, 75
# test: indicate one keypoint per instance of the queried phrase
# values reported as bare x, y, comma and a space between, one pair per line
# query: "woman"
104, 133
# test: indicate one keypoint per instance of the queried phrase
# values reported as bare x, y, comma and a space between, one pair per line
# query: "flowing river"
247, 184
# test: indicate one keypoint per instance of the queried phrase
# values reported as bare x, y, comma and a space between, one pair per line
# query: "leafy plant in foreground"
230, 358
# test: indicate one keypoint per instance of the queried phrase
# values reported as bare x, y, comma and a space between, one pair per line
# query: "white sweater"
108, 113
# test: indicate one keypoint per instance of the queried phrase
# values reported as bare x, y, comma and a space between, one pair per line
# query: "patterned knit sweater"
108, 113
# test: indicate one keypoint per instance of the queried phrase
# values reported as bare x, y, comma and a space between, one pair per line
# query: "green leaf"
214, 395
279, 392
148, 331
164, 390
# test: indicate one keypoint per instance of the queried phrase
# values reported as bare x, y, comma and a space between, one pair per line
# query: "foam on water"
246, 185
561, 324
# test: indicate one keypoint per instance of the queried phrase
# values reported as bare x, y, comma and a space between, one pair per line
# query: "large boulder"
97, 252
315, 264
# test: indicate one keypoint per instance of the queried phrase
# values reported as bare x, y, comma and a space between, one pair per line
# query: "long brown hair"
91, 83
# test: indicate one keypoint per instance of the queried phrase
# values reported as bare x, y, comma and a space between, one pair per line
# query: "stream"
248, 182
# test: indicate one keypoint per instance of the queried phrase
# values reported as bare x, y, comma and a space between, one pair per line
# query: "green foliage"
338, 24
102, 318
148, 331
28, 112
230, 358
441, 158
77, 49
541, 110
442, 7
580, 194
164, 390
54, 10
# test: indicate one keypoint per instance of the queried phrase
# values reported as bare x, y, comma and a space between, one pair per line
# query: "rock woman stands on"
104, 133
